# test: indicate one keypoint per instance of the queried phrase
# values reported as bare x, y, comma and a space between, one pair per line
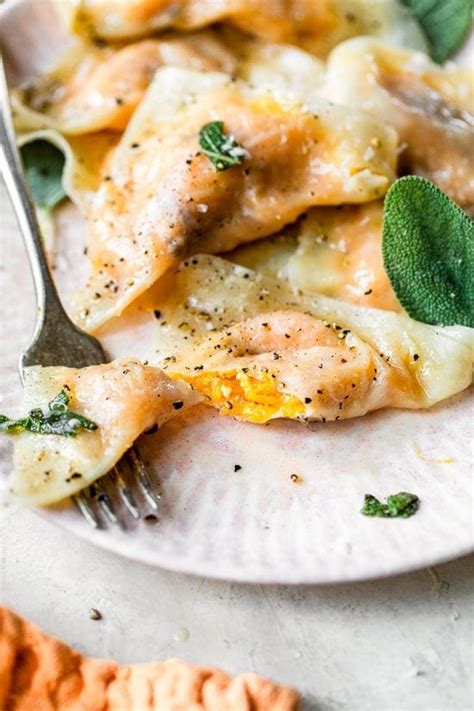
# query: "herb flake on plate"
401, 505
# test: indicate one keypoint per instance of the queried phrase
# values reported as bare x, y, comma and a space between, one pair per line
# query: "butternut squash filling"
246, 396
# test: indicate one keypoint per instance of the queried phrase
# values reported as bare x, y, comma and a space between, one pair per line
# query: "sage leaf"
428, 253
222, 149
56, 419
44, 165
446, 24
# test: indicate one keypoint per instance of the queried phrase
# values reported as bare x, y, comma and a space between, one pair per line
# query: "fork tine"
124, 492
105, 502
98, 492
86, 510
137, 466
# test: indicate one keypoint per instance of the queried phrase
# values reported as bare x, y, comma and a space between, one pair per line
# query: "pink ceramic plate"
255, 524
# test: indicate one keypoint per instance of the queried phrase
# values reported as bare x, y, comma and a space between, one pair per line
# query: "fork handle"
47, 297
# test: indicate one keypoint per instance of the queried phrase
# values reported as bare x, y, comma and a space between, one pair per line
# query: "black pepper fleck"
151, 430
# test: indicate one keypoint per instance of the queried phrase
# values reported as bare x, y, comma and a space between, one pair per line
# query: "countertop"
400, 643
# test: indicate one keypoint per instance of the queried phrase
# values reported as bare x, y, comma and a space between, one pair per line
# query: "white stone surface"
396, 644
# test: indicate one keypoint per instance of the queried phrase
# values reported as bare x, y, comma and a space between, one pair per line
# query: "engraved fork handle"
56, 340
47, 298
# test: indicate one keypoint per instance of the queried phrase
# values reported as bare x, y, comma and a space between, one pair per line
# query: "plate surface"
255, 524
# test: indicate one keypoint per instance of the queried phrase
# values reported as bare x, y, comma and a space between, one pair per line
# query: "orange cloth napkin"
39, 673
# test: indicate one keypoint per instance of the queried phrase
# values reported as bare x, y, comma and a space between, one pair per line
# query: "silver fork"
57, 341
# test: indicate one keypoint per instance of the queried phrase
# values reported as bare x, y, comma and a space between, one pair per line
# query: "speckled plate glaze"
255, 524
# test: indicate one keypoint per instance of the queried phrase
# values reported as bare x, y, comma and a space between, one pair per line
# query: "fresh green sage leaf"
222, 150
428, 253
401, 505
54, 419
44, 164
446, 24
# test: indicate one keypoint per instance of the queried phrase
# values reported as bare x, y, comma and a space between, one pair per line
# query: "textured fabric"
39, 673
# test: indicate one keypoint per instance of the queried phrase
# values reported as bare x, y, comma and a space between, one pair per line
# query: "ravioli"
332, 251
162, 199
316, 25
98, 88
123, 398
283, 69
431, 108
258, 350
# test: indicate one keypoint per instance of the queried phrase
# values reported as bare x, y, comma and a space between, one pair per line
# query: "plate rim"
87, 534
230, 572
